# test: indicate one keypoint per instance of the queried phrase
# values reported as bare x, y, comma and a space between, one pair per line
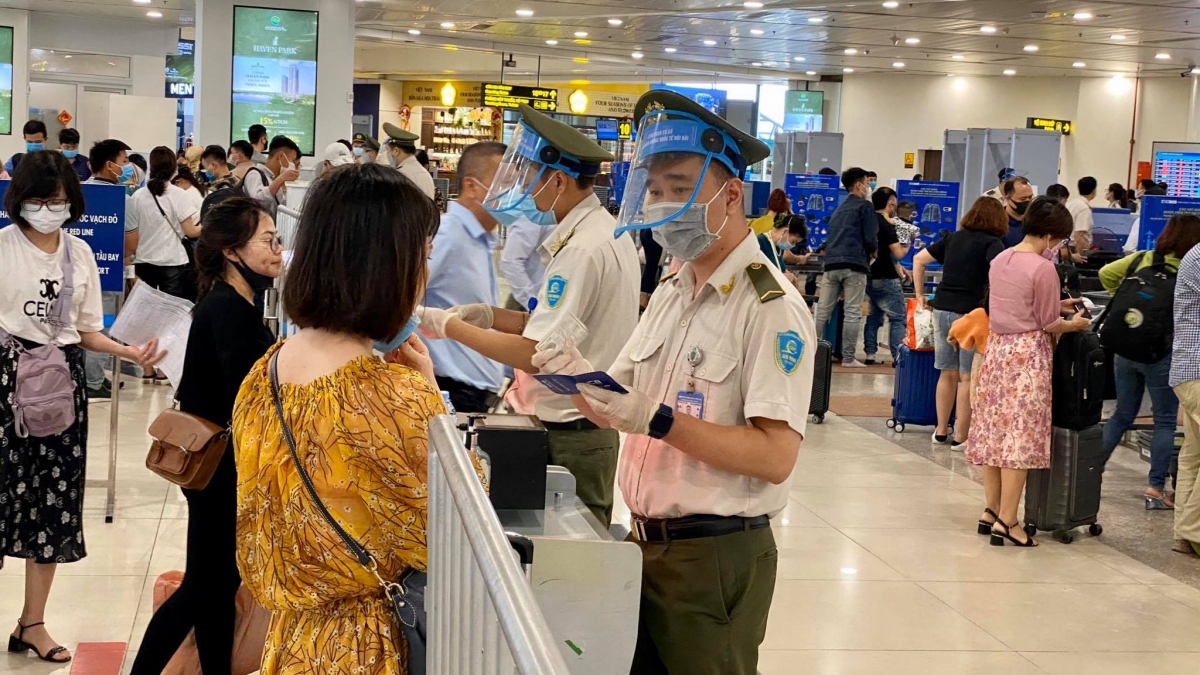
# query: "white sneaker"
854, 364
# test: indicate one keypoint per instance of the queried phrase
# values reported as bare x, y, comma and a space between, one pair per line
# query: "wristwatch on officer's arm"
660, 424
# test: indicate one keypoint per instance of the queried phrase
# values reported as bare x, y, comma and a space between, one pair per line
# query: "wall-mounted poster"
6, 79
275, 74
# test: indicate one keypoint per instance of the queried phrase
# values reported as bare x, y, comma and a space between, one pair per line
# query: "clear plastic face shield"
527, 165
672, 158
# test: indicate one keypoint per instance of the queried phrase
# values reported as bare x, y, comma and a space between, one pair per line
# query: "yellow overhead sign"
1045, 124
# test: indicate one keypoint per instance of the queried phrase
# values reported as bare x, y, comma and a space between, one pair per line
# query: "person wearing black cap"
402, 155
719, 377
589, 296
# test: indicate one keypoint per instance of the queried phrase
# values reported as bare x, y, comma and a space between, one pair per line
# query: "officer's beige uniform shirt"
743, 374
595, 278
413, 171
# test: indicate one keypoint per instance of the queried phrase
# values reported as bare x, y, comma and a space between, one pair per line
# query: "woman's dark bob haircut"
359, 264
38, 176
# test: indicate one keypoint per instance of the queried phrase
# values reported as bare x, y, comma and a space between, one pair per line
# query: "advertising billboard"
275, 74
6, 79
803, 111
713, 100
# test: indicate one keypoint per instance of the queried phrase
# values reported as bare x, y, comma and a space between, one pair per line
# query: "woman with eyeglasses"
42, 465
237, 256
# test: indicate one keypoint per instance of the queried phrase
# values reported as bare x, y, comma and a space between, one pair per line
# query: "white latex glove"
561, 362
433, 322
478, 314
630, 413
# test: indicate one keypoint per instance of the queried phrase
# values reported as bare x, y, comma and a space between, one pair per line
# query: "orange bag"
921, 340
249, 631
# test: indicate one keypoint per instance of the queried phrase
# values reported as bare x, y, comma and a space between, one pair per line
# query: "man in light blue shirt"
521, 262
462, 272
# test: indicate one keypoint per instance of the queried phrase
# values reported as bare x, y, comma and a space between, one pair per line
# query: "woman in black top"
966, 258
238, 255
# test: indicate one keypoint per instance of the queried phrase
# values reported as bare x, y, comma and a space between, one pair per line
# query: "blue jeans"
851, 286
1133, 379
887, 299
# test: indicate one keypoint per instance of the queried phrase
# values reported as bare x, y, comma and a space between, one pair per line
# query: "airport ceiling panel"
1035, 37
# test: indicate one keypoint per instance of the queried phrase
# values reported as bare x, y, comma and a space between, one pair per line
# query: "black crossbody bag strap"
409, 614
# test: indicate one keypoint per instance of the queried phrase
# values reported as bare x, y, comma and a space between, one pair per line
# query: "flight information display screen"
1180, 171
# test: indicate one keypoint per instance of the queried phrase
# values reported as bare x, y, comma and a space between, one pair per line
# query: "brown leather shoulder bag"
186, 448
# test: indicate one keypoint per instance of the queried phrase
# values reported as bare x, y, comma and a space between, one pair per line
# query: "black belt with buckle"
693, 527
582, 424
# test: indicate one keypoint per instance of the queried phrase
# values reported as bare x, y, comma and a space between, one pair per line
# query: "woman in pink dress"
1011, 431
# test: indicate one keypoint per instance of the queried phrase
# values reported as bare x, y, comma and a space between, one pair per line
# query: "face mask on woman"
405, 332
258, 282
42, 219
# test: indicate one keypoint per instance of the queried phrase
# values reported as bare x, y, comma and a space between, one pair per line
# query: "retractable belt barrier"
483, 618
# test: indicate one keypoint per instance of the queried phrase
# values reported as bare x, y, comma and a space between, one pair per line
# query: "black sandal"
985, 528
18, 645
999, 537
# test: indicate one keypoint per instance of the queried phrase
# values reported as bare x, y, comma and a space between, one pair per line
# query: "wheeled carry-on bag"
1067, 495
822, 382
914, 400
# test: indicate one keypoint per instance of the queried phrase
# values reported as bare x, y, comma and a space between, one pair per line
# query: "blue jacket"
853, 236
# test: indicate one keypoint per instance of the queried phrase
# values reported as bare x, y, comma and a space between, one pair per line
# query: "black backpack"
1139, 322
237, 189
1078, 381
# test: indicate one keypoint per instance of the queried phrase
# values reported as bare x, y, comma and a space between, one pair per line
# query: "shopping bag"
920, 334
249, 632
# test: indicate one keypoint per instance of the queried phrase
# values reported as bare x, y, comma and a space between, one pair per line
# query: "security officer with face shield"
719, 376
592, 279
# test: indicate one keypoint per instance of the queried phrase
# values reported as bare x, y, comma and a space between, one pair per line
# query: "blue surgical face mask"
127, 172
34, 147
70, 154
872, 185
208, 175
394, 344
358, 152
527, 208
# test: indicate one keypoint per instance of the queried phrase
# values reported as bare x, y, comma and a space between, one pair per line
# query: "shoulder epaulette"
765, 285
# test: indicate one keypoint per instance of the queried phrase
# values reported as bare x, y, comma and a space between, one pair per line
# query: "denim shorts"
947, 356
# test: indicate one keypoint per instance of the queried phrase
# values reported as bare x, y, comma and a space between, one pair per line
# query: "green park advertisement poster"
275, 73
6, 79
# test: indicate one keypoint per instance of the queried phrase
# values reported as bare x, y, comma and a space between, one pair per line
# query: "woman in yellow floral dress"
360, 424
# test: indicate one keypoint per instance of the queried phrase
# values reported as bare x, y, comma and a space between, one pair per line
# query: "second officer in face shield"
591, 284
719, 376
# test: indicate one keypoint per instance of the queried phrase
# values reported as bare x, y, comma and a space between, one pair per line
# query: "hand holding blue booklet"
568, 385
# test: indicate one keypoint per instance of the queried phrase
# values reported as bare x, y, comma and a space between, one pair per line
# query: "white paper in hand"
566, 332
149, 313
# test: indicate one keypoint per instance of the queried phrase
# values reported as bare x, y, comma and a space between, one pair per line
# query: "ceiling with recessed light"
757, 39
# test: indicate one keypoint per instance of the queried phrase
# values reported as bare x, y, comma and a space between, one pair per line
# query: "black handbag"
408, 594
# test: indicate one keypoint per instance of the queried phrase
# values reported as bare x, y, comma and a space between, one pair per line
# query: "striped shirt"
1185, 356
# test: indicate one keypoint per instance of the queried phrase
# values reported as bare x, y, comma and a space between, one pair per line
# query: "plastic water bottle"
449, 404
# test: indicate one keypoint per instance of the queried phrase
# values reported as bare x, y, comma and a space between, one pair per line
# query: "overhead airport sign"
509, 96
1046, 124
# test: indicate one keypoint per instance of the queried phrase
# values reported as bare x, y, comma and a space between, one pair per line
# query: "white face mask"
686, 236
43, 219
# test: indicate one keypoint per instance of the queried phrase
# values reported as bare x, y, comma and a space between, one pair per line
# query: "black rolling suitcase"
822, 381
1067, 495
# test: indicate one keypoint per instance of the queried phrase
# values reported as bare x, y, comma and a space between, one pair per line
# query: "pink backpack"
44, 391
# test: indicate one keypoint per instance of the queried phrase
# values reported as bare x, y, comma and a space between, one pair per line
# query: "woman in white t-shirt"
165, 216
188, 182
42, 477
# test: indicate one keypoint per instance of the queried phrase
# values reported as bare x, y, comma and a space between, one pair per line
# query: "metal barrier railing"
483, 618
286, 220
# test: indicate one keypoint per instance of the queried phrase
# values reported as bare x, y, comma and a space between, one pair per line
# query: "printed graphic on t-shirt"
40, 307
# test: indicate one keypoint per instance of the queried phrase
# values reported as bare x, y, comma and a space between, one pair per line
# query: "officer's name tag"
690, 403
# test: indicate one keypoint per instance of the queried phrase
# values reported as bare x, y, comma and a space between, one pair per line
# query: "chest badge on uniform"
788, 350
556, 287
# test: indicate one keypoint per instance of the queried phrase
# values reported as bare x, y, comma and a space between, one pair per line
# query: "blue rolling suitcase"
914, 400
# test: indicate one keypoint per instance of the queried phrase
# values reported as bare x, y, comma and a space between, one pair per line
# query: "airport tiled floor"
880, 571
